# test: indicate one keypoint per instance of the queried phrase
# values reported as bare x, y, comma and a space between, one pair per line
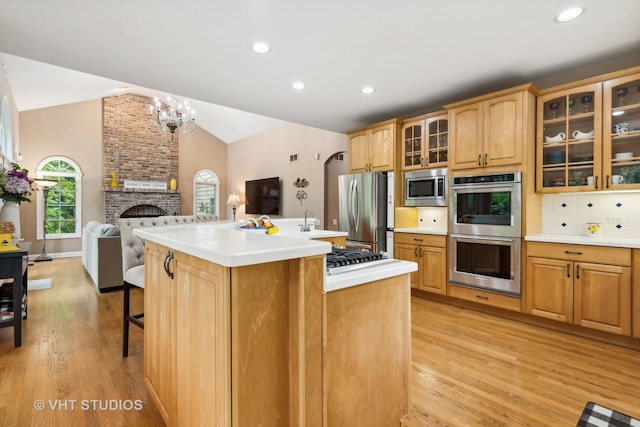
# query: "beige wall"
267, 154
73, 131
200, 150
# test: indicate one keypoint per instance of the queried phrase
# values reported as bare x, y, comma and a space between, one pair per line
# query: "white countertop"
585, 240
230, 246
366, 275
225, 243
420, 230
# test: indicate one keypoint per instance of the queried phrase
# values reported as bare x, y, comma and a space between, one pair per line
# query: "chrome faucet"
306, 226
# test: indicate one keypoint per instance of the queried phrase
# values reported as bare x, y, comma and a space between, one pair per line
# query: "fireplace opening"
143, 211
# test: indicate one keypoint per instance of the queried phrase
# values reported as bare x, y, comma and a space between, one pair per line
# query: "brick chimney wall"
133, 147
136, 148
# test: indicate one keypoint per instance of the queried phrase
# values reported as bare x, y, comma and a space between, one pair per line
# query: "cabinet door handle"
607, 182
486, 160
578, 271
568, 270
420, 252
422, 161
572, 253
597, 182
415, 251
479, 159
167, 261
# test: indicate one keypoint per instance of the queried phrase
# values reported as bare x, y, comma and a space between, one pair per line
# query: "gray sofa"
102, 249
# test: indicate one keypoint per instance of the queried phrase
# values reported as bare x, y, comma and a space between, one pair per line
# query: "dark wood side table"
13, 264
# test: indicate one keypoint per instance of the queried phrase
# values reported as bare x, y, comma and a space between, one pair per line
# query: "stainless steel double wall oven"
486, 224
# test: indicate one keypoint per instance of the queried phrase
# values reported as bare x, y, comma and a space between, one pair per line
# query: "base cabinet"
579, 287
430, 253
264, 345
182, 370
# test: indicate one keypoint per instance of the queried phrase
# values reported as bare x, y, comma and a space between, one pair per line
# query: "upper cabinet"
373, 148
569, 139
425, 141
589, 135
621, 141
491, 130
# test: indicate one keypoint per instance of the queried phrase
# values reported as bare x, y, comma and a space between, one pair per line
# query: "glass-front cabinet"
425, 141
621, 130
569, 138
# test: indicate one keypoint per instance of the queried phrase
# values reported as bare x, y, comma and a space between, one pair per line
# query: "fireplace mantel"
139, 190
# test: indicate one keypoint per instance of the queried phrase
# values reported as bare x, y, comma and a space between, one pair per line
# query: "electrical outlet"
614, 220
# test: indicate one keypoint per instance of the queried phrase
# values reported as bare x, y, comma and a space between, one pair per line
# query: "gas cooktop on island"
346, 260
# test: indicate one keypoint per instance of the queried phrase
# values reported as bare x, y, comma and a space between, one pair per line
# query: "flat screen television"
262, 196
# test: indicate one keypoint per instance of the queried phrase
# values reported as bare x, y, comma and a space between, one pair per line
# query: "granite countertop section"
585, 240
420, 230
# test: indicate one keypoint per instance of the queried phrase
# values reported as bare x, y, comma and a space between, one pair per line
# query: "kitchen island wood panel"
367, 346
265, 344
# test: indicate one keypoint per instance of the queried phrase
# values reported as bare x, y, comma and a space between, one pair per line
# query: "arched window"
205, 193
64, 204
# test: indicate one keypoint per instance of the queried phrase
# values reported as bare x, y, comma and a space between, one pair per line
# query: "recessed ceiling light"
260, 47
297, 85
569, 14
368, 90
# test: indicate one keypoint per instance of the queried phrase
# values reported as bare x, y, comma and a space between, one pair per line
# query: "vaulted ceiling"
417, 54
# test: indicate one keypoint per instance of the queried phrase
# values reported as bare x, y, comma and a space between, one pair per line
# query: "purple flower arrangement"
15, 184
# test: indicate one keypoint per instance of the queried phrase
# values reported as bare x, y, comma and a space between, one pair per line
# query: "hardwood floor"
469, 368
71, 355
475, 369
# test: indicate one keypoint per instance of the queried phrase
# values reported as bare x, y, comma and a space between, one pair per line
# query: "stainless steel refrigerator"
366, 209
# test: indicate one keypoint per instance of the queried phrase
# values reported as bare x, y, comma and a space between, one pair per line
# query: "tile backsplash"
433, 218
618, 213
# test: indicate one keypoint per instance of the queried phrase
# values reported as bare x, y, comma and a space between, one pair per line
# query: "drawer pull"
417, 239
572, 253
482, 297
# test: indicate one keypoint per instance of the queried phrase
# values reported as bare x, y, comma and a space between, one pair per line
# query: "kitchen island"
246, 329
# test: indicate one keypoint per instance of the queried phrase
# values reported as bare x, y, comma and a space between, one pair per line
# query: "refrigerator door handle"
354, 211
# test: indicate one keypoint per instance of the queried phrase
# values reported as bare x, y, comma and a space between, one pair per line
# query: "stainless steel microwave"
425, 187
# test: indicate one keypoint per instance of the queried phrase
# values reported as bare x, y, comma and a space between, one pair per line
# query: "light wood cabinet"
588, 134
584, 285
425, 141
492, 130
182, 369
621, 136
373, 148
430, 253
159, 375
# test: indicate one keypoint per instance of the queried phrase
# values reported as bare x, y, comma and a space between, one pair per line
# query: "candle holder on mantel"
114, 184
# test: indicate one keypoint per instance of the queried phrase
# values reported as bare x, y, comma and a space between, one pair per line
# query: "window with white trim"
206, 187
64, 203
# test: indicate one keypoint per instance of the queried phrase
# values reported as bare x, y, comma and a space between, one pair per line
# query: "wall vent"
293, 157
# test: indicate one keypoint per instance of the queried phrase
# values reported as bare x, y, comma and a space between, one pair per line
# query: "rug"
34, 285
595, 415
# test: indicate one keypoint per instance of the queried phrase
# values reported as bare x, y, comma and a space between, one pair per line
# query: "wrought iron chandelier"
172, 115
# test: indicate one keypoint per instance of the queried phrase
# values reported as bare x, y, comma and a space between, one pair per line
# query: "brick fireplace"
135, 148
